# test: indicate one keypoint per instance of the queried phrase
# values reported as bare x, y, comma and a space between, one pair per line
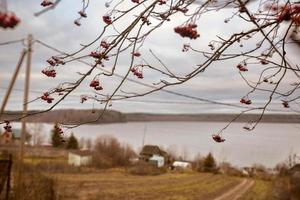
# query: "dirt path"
237, 191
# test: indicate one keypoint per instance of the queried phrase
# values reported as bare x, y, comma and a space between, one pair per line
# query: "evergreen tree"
209, 164
56, 137
72, 142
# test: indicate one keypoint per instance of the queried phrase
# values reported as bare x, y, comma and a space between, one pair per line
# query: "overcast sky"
221, 82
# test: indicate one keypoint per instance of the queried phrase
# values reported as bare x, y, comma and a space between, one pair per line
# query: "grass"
261, 190
38, 160
118, 184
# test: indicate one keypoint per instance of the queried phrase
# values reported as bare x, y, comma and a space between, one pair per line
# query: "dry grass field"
117, 184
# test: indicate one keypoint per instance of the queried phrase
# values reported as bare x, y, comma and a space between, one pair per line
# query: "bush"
144, 169
108, 153
36, 187
206, 164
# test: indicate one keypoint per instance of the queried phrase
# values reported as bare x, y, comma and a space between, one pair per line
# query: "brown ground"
117, 184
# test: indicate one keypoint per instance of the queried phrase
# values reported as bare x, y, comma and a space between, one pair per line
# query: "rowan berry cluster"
242, 68
46, 97
104, 44
46, 3
7, 126
55, 61
98, 55
83, 99
161, 2
8, 20
96, 85
49, 72
289, 12
137, 71
107, 19
136, 54
246, 101
285, 104
218, 138
188, 30
185, 47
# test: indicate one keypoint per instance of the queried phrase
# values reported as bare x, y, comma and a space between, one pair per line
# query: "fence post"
8, 176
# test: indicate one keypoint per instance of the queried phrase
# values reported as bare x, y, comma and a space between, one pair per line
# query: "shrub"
209, 164
36, 187
144, 169
109, 152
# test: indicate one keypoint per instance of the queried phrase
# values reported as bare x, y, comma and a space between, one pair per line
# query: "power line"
208, 101
12, 42
158, 101
144, 84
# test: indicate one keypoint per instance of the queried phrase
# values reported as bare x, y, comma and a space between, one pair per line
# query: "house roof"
296, 167
81, 152
152, 149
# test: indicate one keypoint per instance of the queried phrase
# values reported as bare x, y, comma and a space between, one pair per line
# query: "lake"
268, 144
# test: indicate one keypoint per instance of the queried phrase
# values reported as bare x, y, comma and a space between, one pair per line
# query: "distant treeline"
74, 116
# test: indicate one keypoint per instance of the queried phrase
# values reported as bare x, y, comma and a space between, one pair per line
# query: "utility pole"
23, 133
12, 82
144, 136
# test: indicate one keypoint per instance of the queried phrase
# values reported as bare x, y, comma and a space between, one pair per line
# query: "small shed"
182, 165
80, 158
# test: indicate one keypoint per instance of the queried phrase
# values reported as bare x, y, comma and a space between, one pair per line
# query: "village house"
80, 157
154, 155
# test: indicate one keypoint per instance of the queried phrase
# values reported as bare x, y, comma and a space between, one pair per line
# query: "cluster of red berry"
46, 97
135, 1
7, 126
8, 20
264, 62
104, 44
49, 72
246, 101
285, 104
46, 3
96, 85
97, 55
146, 20
137, 71
289, 12
188, 30
161, 2
185, 47
82, 14
83, 99
183, 10
107, 19
242, 68
55, 61
136, 54
77, 22
218, 138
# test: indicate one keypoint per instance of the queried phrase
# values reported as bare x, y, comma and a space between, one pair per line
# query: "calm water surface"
268, 144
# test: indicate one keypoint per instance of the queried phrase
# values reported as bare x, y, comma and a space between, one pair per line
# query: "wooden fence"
5, 171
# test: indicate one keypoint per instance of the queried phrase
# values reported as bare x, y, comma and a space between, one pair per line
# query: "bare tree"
88, 143
37, 132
